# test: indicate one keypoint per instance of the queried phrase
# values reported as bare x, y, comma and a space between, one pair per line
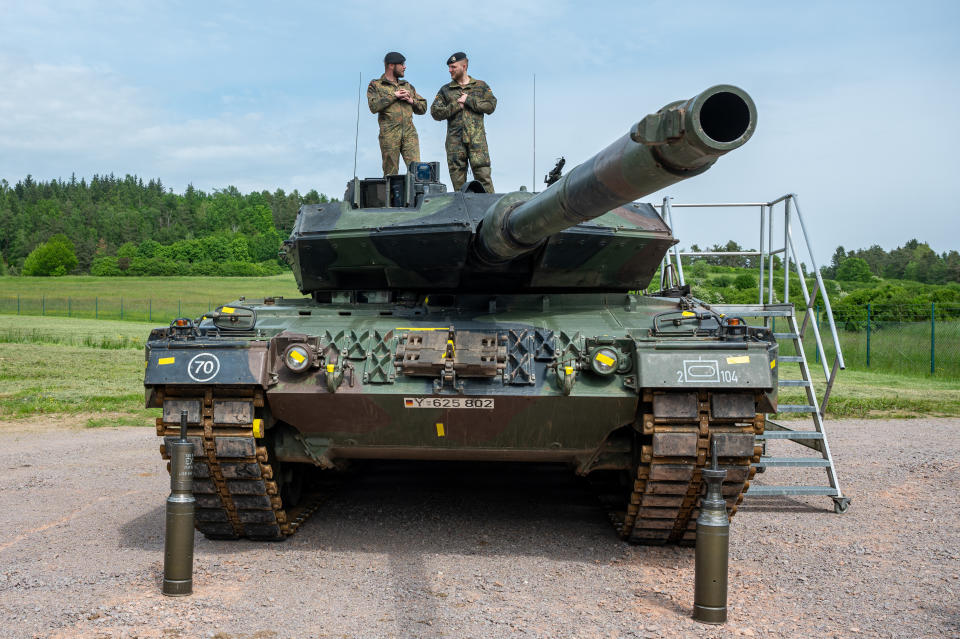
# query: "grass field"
871, 394
145, 299
47, 378
93, 333
62, 365
896, 347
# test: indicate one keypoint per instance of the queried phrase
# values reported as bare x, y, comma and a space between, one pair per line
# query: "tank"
473, 326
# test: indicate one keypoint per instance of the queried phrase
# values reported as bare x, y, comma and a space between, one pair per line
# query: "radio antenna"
533, 175
356, 137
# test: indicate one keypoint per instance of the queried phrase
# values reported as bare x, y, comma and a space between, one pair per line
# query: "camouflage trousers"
458, 155
393, 145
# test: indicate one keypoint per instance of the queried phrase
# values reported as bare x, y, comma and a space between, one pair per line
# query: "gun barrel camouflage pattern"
480, 326
680, 140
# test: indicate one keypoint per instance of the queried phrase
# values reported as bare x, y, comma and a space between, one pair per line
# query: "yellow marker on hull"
440, 431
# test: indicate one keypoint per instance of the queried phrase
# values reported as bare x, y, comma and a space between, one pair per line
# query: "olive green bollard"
178, 544
713, 545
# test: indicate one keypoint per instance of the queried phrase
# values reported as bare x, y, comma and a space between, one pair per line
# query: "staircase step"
796, 408
798, 462
763, 491
793, 382
785, 336
790, 358
753, 310
791, 434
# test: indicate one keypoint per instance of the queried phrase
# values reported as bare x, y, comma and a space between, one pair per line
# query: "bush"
745, 281
205, 268
239, 249
698, 269
54, 257
234, 268
148, 248
105, 266
854, 269
272, 267
158, 267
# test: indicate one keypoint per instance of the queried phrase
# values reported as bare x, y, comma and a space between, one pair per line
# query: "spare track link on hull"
233, 482
664, 503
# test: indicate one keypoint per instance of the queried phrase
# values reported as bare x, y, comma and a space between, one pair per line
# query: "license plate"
448, 402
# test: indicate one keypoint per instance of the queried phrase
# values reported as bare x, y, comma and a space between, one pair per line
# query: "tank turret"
405, 232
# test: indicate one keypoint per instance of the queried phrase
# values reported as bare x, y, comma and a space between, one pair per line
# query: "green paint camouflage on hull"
529, 413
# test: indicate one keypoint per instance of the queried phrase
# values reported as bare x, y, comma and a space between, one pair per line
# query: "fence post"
121, 308
69, 314
43, 305
933, 314
868, 335
18, 304
179, 312
150, 310
96, 307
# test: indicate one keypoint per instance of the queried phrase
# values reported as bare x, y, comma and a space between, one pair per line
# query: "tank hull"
507, 378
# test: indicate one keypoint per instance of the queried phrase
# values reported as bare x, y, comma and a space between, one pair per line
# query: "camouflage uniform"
466, 137
398, 136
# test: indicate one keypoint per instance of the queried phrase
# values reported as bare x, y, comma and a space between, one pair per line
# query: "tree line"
914, 261
114, 226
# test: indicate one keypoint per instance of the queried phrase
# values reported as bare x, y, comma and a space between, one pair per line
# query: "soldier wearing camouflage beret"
463, 103
394, 100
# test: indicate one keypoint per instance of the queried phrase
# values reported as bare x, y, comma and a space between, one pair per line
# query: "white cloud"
103, 124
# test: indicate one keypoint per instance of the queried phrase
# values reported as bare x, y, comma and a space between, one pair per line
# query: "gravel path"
475, 551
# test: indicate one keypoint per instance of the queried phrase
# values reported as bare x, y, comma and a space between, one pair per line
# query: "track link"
664, 501
233, 481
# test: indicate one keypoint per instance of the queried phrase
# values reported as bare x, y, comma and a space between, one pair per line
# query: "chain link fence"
161, 311
906, 339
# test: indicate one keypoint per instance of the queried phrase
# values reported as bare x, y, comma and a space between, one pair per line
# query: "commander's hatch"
396, 191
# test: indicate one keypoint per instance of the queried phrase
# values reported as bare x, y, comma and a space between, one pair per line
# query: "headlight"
298, 357
604, 361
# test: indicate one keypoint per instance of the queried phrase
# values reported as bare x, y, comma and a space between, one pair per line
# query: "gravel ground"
474, 551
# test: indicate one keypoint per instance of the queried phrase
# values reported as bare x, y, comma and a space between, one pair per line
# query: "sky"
857, 101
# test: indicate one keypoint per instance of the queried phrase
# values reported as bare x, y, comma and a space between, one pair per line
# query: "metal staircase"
769, 312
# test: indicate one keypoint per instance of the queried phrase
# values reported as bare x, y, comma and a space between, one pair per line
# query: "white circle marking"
203, 367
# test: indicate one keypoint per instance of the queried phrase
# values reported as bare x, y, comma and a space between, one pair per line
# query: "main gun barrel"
680, 140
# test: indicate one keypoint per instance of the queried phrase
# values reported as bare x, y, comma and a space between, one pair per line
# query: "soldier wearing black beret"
463, 103
394, 100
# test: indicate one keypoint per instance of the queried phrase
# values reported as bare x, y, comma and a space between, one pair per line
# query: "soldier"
463, 103
394, 100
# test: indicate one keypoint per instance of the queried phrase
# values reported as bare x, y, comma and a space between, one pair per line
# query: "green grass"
873, 394
143, 299
46, 378
92, 333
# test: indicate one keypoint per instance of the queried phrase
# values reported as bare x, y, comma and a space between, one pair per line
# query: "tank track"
233, 481
664, 501
238, 496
